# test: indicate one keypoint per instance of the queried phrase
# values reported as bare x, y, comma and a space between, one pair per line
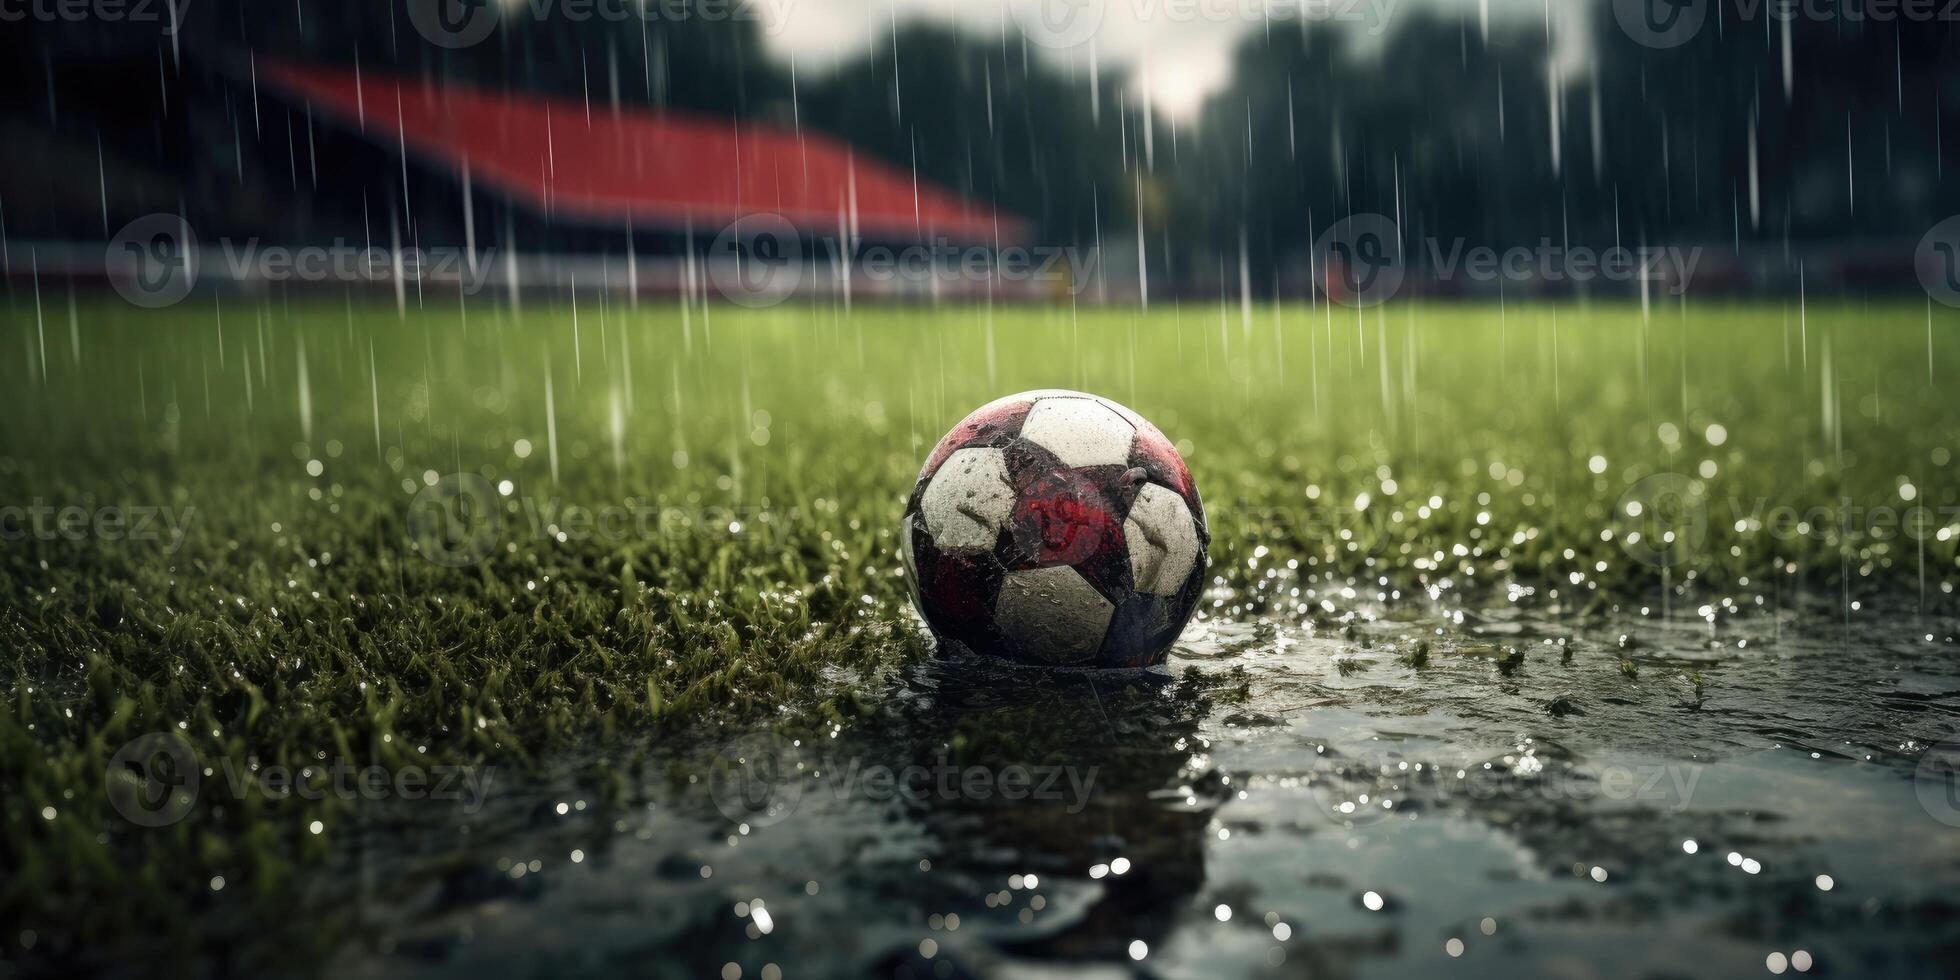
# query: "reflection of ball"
1054, 527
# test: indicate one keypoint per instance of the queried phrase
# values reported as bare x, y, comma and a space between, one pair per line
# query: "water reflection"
1119, 811
1277, 801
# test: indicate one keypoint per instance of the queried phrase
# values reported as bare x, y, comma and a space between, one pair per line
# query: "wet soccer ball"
1056, 528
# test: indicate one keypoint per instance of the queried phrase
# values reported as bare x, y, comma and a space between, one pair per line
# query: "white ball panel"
1163, 540
1119, 408
1079, 431
968, 500
1035, 394
1052, 614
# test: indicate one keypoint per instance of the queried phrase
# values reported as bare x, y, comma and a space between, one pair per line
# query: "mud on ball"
1056, 527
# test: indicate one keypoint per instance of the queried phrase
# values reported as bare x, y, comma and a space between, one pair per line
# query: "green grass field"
745, 471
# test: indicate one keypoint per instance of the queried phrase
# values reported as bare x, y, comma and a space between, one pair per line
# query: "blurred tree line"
1451, 133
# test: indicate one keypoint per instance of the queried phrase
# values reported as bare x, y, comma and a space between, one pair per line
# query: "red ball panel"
1160, 459
957, 592
991, 425
1063, 518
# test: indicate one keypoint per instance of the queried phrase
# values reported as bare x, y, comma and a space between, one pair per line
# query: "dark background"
103, 122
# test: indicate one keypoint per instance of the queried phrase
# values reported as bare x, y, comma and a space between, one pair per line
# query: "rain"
470, 503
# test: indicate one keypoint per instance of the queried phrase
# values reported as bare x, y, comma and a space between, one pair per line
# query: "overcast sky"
1181, 48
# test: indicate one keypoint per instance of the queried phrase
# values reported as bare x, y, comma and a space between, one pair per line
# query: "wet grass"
741, 474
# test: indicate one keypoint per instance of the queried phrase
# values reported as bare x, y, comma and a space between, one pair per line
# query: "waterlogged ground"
1280, 800
300, 614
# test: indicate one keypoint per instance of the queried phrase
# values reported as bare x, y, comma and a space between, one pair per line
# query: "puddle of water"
1310, 806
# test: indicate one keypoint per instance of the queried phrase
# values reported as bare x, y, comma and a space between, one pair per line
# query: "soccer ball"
1056, 528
